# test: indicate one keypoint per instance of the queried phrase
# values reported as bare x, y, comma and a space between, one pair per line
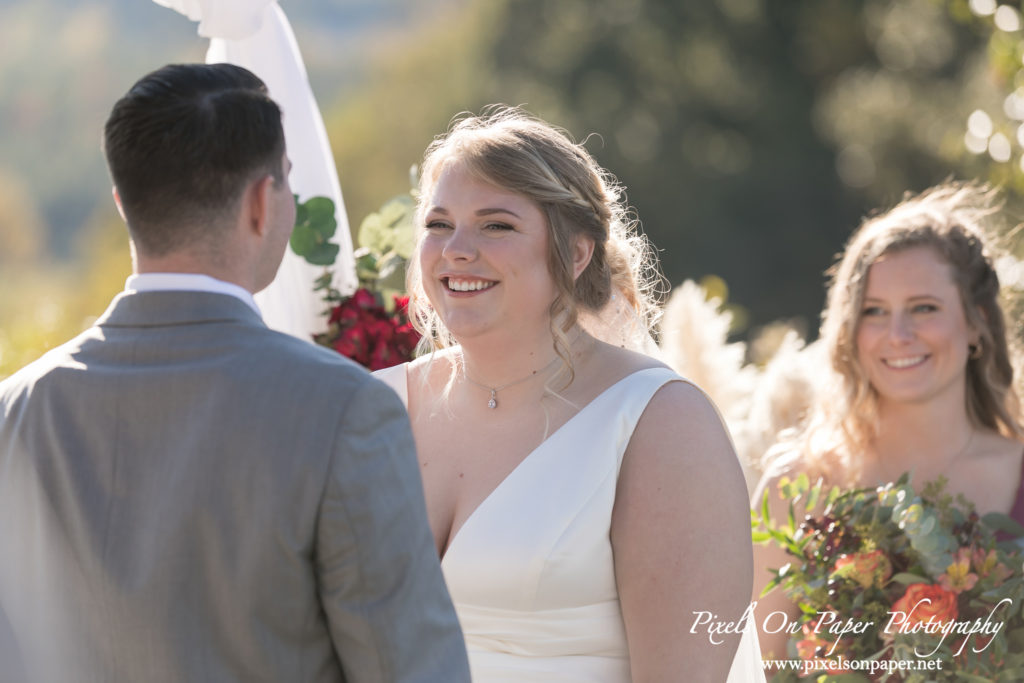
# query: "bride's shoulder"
430, 374
624, 360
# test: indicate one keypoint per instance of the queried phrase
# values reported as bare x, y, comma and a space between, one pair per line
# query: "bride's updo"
518, 153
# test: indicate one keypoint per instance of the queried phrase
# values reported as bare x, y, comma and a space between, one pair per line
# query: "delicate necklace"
493, 402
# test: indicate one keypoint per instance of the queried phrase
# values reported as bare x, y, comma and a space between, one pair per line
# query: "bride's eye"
498, 226
437, 225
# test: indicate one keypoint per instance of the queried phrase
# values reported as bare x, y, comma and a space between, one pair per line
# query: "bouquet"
896, 586
371, 326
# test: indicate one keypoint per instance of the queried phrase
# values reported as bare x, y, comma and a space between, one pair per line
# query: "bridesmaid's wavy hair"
512, 150
947, 219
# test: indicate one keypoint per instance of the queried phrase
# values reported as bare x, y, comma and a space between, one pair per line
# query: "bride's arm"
681, 536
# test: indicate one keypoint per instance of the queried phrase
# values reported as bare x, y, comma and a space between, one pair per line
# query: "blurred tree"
992, 139
751, 135
22, 231
45, 302
993, 132
422, 78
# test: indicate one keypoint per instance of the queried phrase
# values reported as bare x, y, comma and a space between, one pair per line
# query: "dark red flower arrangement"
371, 326
361, 328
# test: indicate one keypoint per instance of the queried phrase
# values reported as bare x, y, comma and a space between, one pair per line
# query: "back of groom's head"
183, 144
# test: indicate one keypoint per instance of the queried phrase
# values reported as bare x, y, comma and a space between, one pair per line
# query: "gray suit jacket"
186, 495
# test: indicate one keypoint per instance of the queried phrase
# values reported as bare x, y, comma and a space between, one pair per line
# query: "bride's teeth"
466, 285
904, 362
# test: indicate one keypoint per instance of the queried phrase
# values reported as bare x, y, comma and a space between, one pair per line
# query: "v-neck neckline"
453, 537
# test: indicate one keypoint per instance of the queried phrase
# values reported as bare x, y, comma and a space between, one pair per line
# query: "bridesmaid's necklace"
493, 402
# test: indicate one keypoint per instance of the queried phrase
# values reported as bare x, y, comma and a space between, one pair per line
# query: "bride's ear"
582, 252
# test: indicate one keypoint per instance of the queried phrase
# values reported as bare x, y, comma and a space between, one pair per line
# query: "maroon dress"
1016, 512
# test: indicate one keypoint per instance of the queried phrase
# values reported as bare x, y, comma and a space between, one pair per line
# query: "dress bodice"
531, 571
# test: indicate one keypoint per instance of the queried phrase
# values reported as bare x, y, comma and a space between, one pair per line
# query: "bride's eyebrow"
490, 212
481, 212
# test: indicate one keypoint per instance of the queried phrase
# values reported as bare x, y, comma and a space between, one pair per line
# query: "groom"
186, 495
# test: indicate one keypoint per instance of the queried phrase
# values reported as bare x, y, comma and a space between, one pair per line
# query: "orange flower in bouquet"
867, 569
923, 604
906, 578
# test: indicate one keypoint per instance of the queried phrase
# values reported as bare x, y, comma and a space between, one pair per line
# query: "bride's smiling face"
484, 257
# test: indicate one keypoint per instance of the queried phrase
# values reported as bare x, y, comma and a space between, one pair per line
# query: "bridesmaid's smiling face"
913, 336
483, 257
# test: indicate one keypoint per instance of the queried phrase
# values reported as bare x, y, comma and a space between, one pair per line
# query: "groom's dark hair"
183, 144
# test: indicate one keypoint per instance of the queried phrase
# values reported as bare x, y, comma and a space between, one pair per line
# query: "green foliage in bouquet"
386, 241
315, 225
371, 325
888, 577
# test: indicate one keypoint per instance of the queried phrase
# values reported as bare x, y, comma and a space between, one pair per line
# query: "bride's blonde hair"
516, 152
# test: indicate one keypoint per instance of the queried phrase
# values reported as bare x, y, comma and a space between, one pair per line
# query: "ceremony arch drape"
256, 34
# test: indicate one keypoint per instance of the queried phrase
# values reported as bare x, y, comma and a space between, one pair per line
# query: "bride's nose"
460, 245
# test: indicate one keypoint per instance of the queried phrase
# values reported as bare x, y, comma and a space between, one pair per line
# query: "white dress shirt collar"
191, 282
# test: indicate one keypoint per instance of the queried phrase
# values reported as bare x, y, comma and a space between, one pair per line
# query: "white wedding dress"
531, 571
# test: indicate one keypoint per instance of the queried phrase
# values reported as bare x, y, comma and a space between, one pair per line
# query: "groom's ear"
582, 252
256, 204
117, 202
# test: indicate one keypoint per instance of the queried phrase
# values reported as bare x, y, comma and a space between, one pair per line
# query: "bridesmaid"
586, 502
921, 378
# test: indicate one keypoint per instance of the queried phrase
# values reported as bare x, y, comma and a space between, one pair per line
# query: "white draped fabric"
256, 34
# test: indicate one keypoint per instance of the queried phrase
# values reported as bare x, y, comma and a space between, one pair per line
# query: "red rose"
363, 298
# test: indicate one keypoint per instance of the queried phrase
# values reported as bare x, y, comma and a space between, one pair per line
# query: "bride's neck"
495, 363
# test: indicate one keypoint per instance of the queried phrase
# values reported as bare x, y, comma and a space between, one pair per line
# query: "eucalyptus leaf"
391, 272
391, 228
1004, 523
315, 224
302, 241
323, 254
321, 215
814, 496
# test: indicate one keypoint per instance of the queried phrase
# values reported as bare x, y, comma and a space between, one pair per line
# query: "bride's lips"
466, 285
905, 362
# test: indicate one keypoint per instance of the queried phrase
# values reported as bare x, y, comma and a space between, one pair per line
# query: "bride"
586, 502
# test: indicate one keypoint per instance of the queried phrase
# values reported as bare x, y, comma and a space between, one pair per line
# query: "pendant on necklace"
493, 403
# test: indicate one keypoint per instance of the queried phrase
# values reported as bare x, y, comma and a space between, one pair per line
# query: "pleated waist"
595, 629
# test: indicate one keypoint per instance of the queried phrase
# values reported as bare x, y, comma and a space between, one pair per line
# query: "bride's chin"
463, 329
